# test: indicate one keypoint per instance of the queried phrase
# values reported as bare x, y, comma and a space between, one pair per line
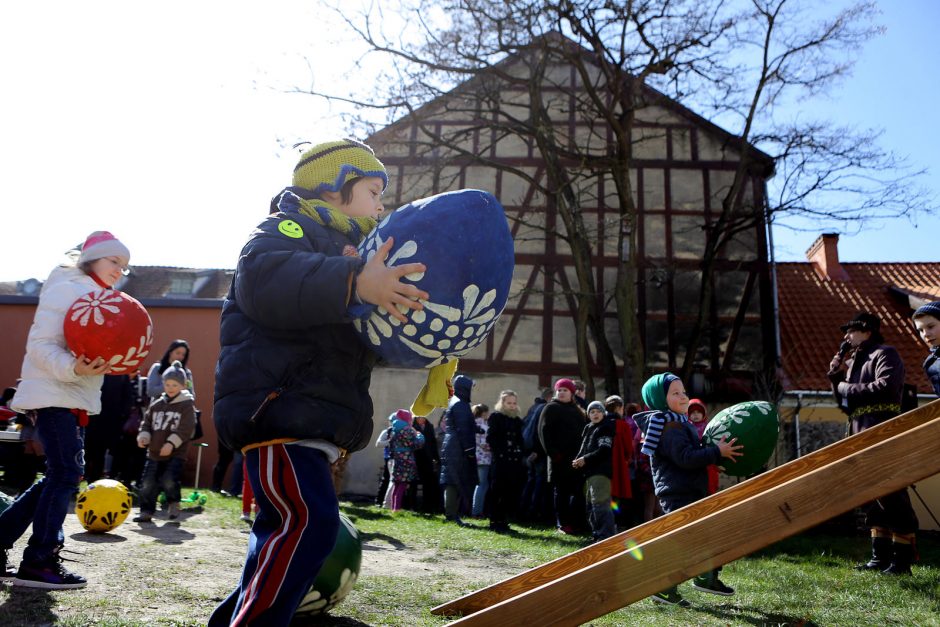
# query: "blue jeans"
160, 475
47, 502
479, 492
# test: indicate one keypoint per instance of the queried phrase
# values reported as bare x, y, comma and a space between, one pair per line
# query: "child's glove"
143, 439
166, 450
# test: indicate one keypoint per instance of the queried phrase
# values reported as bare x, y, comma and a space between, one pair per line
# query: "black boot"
7, 572
880, 554
903, 557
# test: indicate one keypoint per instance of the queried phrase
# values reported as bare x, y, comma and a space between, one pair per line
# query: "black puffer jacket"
597, 446
560, 430
285, 326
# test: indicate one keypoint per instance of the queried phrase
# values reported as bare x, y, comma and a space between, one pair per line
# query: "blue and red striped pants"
294, 532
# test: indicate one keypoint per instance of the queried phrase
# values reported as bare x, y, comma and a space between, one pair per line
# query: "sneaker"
173, 511
670, 597
705, 584
246, 517
7, 573
143, 517
51, 575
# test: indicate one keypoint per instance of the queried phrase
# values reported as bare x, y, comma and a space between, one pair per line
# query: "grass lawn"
165, 575
804, 580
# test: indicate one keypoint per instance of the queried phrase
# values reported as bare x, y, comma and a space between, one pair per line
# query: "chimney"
824, 255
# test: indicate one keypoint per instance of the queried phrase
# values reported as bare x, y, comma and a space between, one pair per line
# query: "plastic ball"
755, 425
464, 240
338, 574
112, 325
103, 505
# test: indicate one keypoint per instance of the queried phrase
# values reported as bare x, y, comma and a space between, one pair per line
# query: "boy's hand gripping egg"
463, 239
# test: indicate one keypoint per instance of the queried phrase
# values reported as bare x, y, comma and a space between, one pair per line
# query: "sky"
171, 124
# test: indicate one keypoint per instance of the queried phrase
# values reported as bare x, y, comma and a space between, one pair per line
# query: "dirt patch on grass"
165, 573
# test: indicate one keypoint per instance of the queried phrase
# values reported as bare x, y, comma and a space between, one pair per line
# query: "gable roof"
556, 39
813, 307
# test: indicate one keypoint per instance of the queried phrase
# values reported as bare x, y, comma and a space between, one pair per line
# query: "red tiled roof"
813, 308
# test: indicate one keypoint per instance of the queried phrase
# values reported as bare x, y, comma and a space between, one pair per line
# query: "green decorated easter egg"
755, 425
338, 574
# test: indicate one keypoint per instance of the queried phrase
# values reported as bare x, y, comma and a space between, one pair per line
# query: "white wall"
394, 388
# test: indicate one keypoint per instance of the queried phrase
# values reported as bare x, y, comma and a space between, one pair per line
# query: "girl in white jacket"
57, 392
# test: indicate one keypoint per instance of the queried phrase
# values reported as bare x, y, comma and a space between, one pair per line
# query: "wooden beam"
699, 544
615, 545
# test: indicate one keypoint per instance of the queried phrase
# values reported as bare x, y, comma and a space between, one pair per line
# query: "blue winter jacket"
458, 448
286, 332
679, 463
932, 369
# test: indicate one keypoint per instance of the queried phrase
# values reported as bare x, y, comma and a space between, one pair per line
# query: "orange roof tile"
812, 309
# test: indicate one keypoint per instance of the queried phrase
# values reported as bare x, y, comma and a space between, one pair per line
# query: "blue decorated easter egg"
463, 239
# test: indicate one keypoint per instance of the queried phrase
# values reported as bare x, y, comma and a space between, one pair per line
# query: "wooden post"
641, 534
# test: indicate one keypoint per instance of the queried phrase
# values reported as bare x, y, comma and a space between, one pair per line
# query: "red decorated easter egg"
112, 325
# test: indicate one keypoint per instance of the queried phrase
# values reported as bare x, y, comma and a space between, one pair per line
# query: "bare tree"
494, 65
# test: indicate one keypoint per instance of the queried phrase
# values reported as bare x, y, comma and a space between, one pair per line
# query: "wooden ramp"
724, 527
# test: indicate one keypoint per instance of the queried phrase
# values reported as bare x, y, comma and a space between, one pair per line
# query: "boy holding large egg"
292, 382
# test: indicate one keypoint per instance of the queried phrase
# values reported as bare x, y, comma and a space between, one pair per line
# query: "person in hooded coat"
458, 451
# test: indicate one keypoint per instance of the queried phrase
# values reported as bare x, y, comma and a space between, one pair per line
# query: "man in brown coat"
867, 380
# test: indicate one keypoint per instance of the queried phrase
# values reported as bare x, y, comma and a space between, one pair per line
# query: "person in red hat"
560, 430
698, 416
867, 379
57, 393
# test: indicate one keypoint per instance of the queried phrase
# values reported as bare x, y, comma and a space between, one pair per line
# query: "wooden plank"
700, 544
550, 571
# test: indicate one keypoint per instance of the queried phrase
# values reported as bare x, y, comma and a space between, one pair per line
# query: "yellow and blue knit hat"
330, 165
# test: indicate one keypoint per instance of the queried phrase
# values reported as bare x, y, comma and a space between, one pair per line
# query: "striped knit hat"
101, 244
328, 166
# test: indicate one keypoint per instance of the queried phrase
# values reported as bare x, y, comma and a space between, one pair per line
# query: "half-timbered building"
681, 167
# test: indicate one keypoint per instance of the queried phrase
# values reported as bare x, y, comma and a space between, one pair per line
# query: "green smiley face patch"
290, 229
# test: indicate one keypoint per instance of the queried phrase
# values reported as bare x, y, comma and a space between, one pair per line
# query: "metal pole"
199, 447
924, 503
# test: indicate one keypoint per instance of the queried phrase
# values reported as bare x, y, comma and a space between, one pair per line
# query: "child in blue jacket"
292, 381
679, 463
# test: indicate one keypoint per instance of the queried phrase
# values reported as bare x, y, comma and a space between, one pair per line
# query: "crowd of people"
566, 461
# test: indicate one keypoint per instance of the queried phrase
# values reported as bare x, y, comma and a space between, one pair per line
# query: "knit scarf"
652, 423
325, 214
